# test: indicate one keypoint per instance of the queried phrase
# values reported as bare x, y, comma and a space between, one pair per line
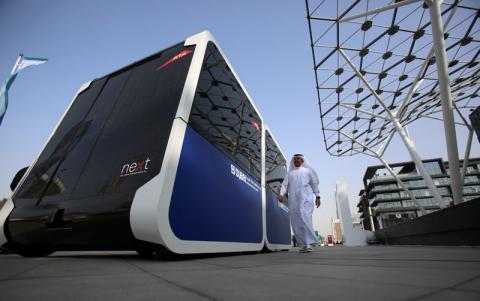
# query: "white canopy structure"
380, 65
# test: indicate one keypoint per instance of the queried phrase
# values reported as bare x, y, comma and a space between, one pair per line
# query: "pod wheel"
32, 251
163, 253
144, 249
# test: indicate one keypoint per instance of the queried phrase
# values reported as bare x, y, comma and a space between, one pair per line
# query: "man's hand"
317, 201
281, 198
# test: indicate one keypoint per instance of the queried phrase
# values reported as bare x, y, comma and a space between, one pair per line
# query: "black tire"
163, 253
144, 249
32, 251
265, 250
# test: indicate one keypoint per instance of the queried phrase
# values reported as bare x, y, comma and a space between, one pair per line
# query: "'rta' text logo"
134, 168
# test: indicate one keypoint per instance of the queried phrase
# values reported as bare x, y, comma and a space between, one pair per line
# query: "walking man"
301, 183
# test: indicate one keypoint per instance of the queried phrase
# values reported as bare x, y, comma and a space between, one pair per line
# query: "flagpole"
15, 67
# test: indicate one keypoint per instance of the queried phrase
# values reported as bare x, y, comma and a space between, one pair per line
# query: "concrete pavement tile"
364, 273
473, 285
113, 287
450, 295
401, 276
60, 267
158, 266
398, 263
240, 284
429, 253
245, 260
13, 265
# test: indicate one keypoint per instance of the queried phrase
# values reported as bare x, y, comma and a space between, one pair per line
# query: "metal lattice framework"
380, 65
390, 51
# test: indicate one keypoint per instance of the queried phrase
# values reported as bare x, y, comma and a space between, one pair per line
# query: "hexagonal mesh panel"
392, 50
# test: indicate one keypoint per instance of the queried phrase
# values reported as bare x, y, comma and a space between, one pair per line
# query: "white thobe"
301, 185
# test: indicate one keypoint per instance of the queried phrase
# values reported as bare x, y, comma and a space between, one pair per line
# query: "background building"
364, 211
357, 221
384, 203
337, 231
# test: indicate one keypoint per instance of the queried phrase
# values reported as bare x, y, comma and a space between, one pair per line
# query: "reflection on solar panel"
393, 51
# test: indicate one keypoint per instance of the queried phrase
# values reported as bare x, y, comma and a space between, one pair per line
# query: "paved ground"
339, 273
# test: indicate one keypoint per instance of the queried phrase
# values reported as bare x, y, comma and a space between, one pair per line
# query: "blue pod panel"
278, 221
213, 199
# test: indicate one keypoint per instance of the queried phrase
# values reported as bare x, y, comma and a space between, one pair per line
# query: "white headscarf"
305, 164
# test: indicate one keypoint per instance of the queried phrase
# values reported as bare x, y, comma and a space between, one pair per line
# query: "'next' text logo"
134, 168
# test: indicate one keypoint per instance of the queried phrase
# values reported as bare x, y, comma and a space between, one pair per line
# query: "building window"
389, 205
421, 192
473, 168
426, 202
444, 190
385, 187
441, 181
447, 200
433, 168
393, 218
471, 179
471, 189
416, 183
388, 195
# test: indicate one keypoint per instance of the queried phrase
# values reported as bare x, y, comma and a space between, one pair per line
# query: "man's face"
297, 161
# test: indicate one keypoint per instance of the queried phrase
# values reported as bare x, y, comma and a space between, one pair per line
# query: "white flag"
22, 63
29, 61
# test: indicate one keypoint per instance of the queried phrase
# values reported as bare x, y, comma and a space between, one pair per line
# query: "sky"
267, 43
